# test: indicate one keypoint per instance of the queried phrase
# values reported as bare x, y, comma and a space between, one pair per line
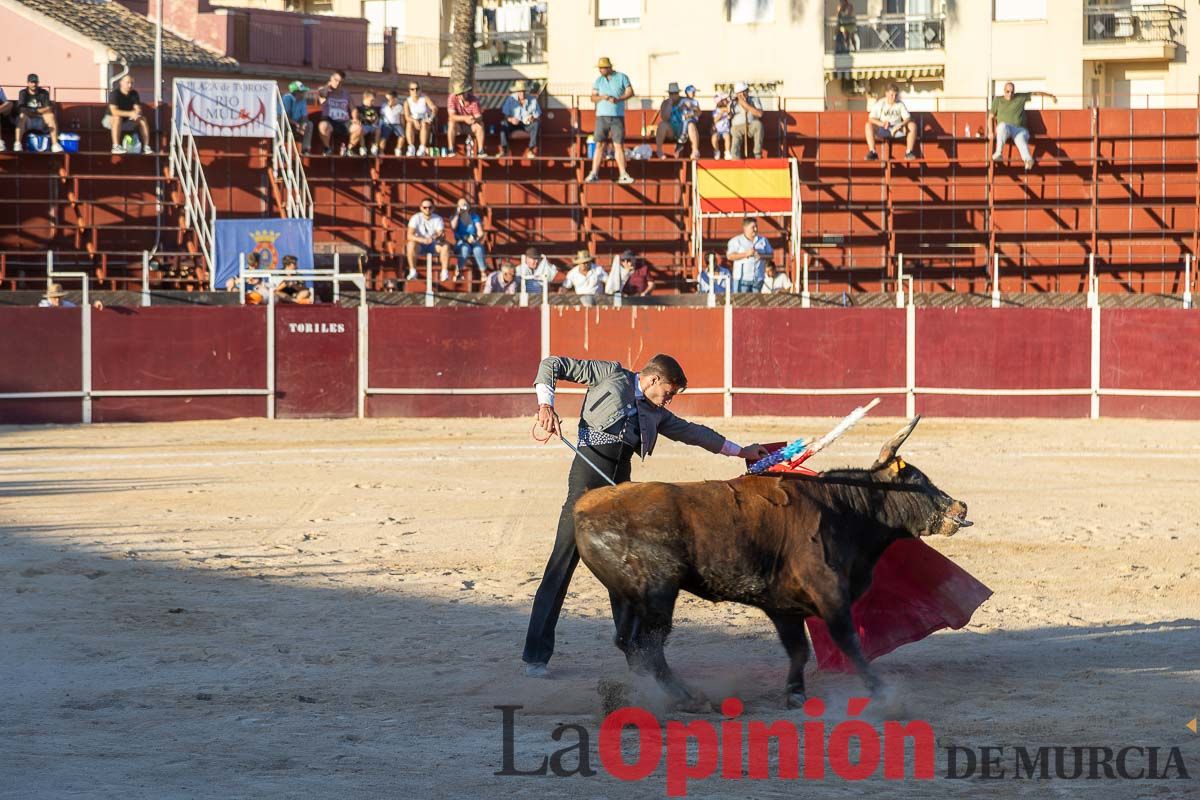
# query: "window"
383, 14
618, 13
1016, 10
749, 12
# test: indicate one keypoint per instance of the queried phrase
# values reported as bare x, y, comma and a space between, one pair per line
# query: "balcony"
429, 56
1136, 32
286, 39
886, 46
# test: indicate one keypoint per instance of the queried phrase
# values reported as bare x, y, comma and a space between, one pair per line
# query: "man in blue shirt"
295, 107
718, 284
749, 253
609, 93
521, 113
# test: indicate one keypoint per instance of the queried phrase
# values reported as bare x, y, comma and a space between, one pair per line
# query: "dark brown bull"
791, 545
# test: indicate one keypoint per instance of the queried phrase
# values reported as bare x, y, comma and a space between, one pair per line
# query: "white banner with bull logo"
216, 107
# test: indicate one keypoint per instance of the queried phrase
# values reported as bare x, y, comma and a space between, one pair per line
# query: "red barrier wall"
1150, 349
437, 348
316, 361
817, 349
40, 351
632, 335
136, 349
1015, 348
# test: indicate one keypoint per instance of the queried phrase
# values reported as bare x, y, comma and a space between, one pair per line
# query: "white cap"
740, 86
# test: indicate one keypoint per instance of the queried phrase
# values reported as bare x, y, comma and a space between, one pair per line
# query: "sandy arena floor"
320, 609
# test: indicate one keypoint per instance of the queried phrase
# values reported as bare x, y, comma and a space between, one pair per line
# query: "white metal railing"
289, 166
201, 212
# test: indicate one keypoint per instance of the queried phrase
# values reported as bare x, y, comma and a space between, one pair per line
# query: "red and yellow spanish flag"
759, 186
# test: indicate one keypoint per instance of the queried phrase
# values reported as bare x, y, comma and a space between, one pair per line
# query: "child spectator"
777, 280
722, 129
295, 107
294, 290
363, 125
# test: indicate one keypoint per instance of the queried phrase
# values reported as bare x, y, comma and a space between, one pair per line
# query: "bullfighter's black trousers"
614, 460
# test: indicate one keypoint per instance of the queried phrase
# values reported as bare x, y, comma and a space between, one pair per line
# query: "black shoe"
872, 155
910, 156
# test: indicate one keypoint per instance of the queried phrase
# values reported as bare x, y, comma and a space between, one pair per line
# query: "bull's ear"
892, 446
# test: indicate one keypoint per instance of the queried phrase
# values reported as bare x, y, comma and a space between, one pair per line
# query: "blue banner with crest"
269, 239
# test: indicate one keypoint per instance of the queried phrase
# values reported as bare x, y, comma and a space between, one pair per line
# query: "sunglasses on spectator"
426, 208
413, 88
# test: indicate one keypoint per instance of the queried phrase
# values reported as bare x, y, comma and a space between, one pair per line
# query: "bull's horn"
892, 446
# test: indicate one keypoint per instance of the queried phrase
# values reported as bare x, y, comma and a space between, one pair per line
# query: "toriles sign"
208, 107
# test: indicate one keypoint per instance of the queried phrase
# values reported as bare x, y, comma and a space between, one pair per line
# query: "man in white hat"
521, 113
746, 121
677, 118
55, 298
585, 278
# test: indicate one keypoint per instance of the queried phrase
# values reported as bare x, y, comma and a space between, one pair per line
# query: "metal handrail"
289, 167
199, 209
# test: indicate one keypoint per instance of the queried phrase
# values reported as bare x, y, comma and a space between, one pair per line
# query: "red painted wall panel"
1150, 349
180, 348
1016, 348
174, 409
632, 335
316, 361
41, 349
817, 349
453, 348
41, 352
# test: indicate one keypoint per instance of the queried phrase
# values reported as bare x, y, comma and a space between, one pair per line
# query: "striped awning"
492, 93
871, 73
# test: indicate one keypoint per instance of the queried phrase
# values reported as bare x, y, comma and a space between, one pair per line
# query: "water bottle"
966, 130
591, 145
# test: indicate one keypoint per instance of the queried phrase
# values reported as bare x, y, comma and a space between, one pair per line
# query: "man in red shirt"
464, 109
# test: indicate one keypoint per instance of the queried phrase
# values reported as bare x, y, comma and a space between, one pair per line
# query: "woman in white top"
419, 114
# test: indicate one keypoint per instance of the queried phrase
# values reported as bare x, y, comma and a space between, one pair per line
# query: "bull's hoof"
693, 705
796, 699
613, 695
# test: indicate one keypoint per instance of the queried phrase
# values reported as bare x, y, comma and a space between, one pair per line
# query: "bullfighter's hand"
548, 420
753, 452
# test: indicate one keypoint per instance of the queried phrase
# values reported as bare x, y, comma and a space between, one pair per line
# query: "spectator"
6, 107
390, 286
502, 281
536, 270
35, 113
364, 123
427, 236
847, 28
256, 288
1008, 115
746, 121
609, 93
889, 119
54, 299
468, 237
464, 109
720, 283
335, 110
295, 108
777, 280
677, 117
125, 116
521, 113
721, 126
748, 251
392, 123
419, 114
294, 290
586, 278
630, 276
